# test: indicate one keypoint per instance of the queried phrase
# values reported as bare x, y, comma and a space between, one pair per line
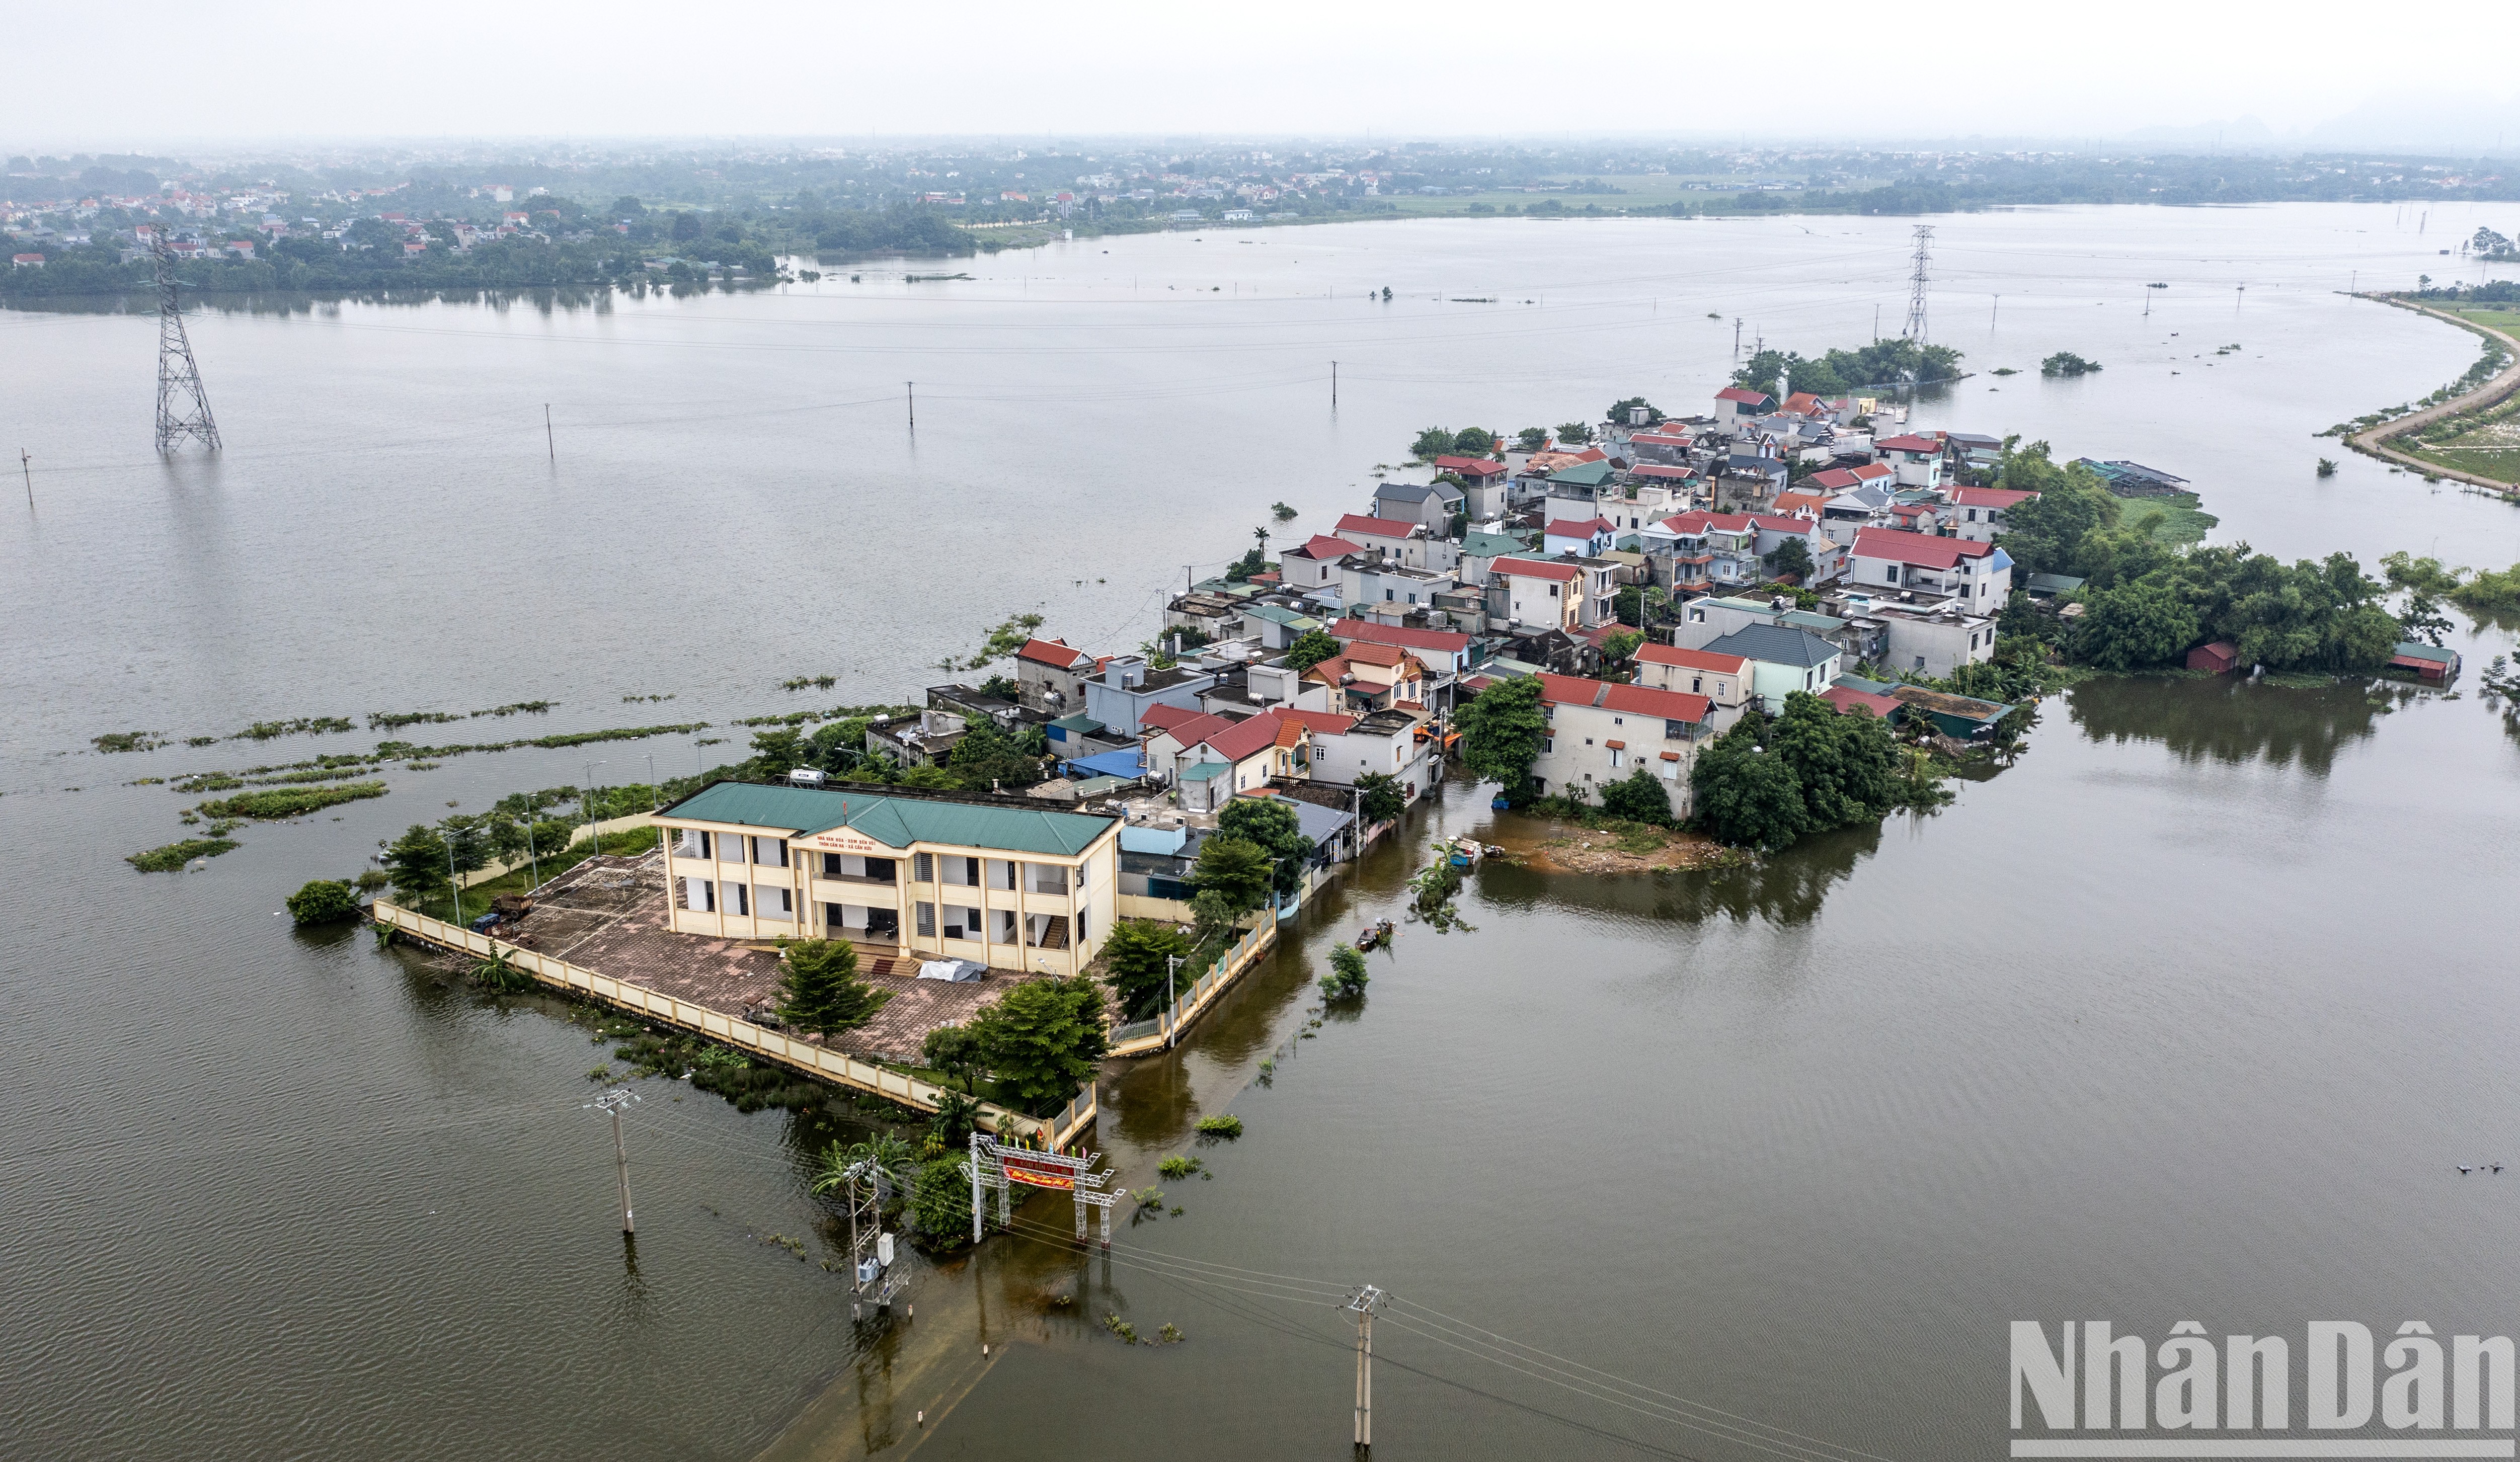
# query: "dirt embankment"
1555, 846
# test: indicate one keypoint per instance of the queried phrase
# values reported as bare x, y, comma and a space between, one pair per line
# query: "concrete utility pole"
586, 800
1736, 339
550, 443
26, 465
613, 1101
1365, 1300
913, 387
1334, 385
1172, 1000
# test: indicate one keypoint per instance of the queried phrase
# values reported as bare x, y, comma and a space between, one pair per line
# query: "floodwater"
2186, 1015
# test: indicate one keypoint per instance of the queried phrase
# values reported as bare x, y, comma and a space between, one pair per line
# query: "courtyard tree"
1501, 731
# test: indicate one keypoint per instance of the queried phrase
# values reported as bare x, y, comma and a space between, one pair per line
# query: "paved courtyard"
608, 915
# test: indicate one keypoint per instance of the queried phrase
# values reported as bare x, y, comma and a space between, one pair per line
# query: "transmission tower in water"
183, 408
1924, 256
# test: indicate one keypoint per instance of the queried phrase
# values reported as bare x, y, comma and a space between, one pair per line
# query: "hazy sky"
156, 72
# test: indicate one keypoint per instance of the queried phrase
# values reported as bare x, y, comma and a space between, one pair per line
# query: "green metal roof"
1492, 544
1585, 474
1080, 722
2416, 649
1281, 614
1205, 770
894, 821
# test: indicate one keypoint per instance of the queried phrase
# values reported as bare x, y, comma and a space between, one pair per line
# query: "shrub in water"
323, 901
1227, 1126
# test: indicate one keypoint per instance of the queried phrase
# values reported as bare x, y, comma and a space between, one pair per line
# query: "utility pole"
1334, 385
1172, 1000
613, 1101
913, 389
586, 800
2239, 297
1736, 339
1365, 1300
1993, 313
1189, 576
179, 378
26, 465
454, 880
550, 443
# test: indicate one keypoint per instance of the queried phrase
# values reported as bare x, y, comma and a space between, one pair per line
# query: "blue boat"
1499, 803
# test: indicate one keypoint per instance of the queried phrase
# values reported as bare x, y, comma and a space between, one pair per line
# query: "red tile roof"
1471, 467
1743, 394
1635, 701
1375, 527
1702, 522
1161, 717
1997, 497
1803, 403
1368, 652
1847, 698
1776, 523
1535, 568
1584, 529
1658, 470
1692, 659
1910, 443
1319, 723
1443, 641
1921, 549
1321, 546
1662, 438
1244, 738
1054, 652
1807, 503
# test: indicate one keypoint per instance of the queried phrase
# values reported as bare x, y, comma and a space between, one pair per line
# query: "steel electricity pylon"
183, 406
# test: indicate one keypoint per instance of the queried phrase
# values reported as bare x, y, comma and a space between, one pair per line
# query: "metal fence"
786, 1050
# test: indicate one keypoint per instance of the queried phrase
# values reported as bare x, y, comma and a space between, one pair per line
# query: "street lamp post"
454, 880
586, 800
1172, 1000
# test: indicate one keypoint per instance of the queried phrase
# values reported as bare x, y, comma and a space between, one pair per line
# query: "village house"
1540, 593
1662, 447
1774, 530
1118, 697
1917, 460
1483, 483
1783, 659
1703, 552
1748, 479
1935, 637
919, 738
1314, 563
1980, 510
1051, 676
1737, 406
1432, 503
1977, 574
1411, 544
1366, 582
1599, 732
1482, 548
1223, 758
1368, 676
1012, 887
1587, 539
1723, 680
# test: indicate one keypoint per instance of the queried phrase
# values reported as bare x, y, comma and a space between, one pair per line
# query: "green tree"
1380, 797
1744, 794
1045, 1039
1501, 731
838, 745
1236, 871
1136, 957
942, 1210
1348, 975
1532, 438
936, 777
820, 991
1791, 556
2138, 624
417, 864
1574, 433
778, 751
2423, 619
1311, 648
1283, 513
1270, 824
323, 901
1845, 764
1618, 411
987, 755
1432, 443
1640, 797
954, 1050
1475, 441
1619, 650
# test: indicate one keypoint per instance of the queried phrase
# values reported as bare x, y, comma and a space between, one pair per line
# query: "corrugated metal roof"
894, 821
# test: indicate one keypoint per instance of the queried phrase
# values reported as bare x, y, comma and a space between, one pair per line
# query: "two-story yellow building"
1013, 887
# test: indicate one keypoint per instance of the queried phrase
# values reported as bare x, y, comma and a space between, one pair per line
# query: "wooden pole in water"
621, 1166
26, 463
548, 443
913, 387
30, 497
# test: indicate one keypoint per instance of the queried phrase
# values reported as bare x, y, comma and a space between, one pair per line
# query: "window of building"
700, 895
927, 917
961, 873
1003, 920
1001, 876
730, 848
770, 853
962, 923
1045, 878
693, 844
777, 902
922, 869
738, 899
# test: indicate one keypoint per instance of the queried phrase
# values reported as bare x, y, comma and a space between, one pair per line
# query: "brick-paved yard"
608, 915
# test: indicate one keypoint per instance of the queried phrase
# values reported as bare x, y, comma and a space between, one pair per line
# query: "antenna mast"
183, 408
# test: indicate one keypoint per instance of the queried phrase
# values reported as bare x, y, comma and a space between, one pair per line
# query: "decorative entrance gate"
995, 1165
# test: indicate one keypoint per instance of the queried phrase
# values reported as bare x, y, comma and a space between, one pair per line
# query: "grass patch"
2173, 521
289, 801
172, 858
128, 741
299, 726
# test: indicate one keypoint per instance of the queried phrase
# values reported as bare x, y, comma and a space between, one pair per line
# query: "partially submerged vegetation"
174, 855
280, 803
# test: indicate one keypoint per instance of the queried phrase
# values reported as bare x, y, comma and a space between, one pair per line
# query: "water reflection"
2232, 722
1786, 889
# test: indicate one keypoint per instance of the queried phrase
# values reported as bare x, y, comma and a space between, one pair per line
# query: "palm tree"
887, 1154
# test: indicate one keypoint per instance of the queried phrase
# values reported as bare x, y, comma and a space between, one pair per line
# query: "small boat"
1497, 803
1373, 934
1465, 852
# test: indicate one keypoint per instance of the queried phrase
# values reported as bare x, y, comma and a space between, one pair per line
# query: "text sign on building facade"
845, 840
